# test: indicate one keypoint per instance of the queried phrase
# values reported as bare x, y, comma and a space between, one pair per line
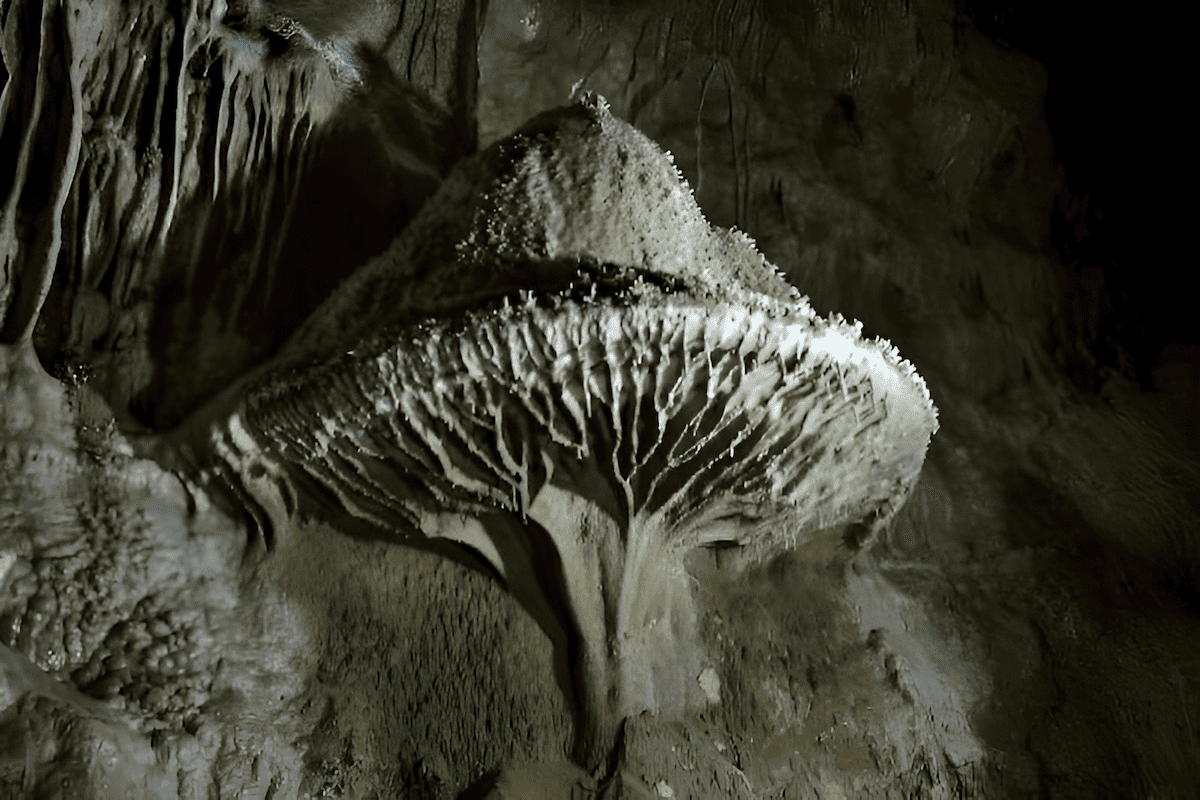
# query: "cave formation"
184, 185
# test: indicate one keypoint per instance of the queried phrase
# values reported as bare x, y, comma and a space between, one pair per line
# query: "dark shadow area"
38, 156
1114, 227
480, 789
535, 577
315, 501
1068, 626
1111, 576
347, 209
532, 569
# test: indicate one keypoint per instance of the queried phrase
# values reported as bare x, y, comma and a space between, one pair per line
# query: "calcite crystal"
562, 352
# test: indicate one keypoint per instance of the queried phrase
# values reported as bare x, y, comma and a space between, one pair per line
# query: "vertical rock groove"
153, 189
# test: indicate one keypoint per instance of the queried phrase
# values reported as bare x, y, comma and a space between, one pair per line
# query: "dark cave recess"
1108, 107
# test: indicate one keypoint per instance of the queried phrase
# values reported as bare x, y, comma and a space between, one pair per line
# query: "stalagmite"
686, 397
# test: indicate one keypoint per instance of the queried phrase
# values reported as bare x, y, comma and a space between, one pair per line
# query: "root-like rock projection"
560, 353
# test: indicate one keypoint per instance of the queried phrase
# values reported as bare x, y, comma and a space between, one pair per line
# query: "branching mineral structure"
560, 352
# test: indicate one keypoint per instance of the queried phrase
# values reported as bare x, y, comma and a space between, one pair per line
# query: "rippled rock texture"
166, 167
183, 186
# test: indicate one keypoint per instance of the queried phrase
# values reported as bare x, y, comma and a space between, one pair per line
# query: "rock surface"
170, 167
656, 387
890, 160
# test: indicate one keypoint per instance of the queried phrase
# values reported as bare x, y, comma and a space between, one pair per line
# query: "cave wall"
179, 194
182, 193
893, 162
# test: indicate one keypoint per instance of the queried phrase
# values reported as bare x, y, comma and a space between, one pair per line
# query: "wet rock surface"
1024, 626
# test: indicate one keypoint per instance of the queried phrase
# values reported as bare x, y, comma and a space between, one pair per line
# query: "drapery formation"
167, 170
